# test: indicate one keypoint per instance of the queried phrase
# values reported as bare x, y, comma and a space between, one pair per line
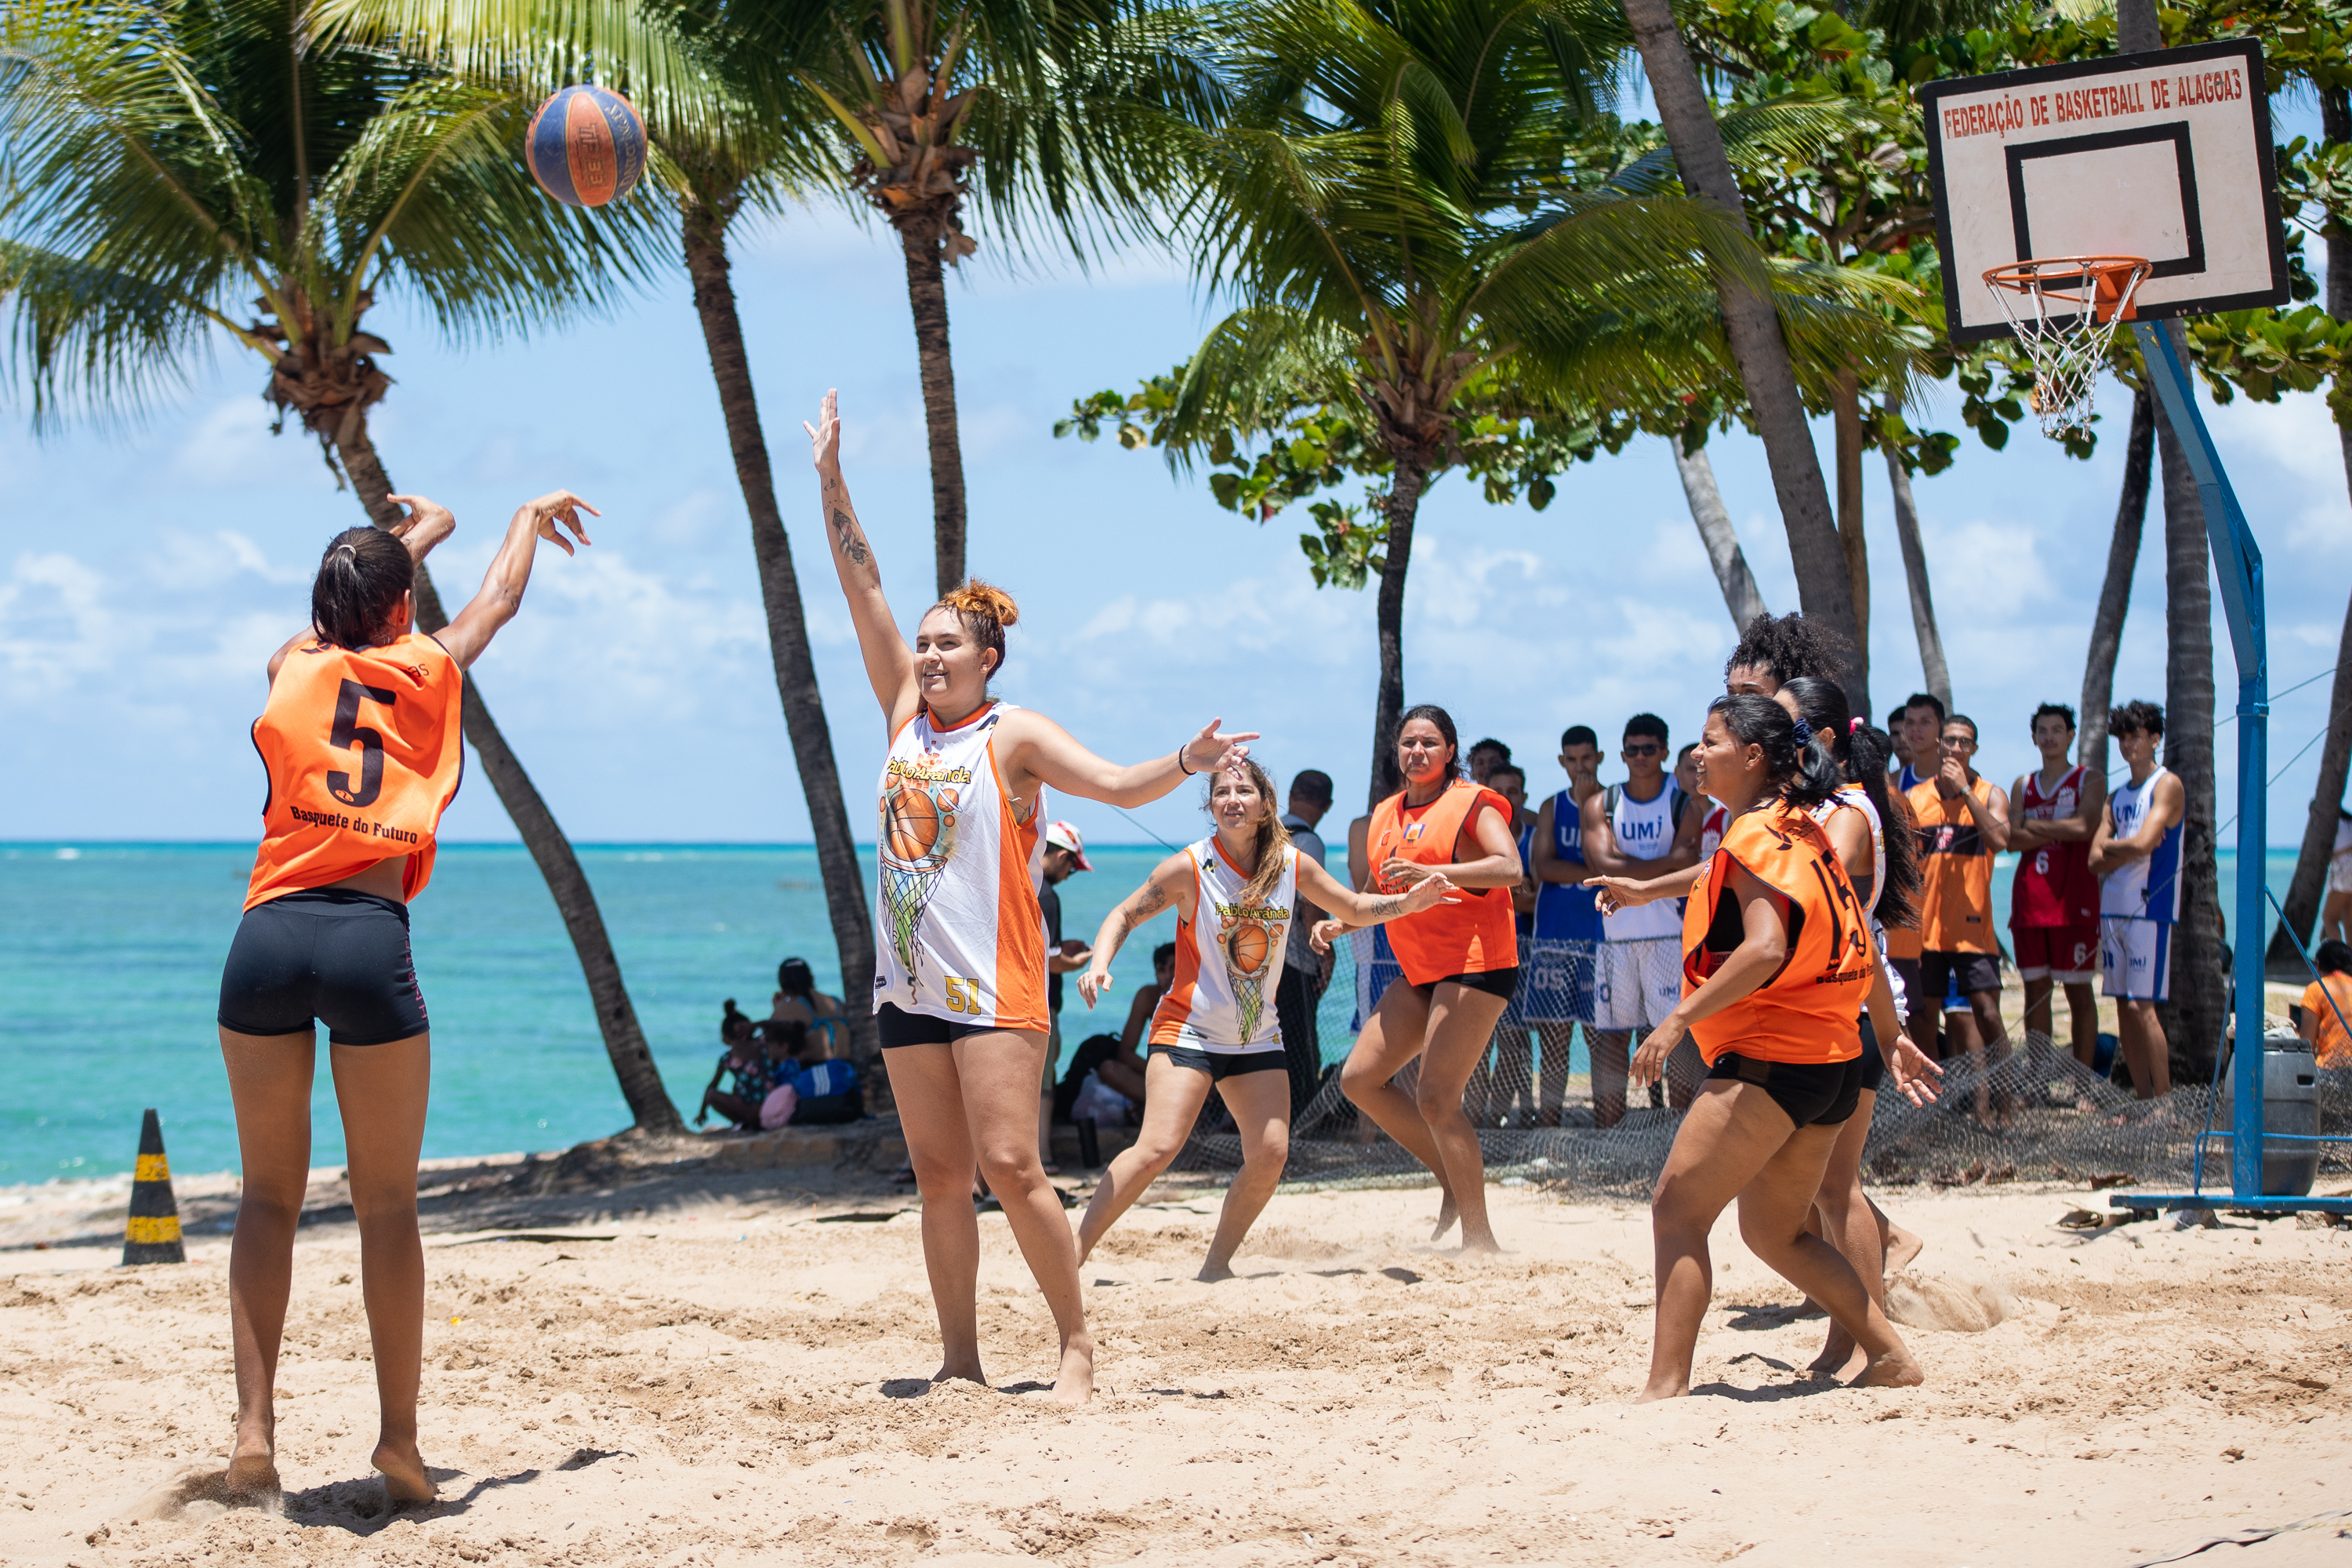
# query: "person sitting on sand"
798, 1001
1115, 1059
1217, 1027
746, 1060
2327, 1003
828, 1088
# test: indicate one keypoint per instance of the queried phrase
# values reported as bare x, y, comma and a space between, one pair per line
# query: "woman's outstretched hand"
1650, 1061
1431, 890
1324, 933
824, 436
1214, 750
564, 507
1911, 1066
1093, 983
1614, 893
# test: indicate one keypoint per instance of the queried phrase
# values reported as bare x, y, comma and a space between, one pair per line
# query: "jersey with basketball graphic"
961, 936
364, 751
1227, 957
2053, 886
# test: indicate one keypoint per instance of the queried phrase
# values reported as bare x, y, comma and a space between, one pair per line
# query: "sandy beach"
732, 1369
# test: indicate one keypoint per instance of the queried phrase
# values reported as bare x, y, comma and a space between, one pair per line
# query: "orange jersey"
364, 748
1806, 1012
1955, 870
1471, 937
2322, 1002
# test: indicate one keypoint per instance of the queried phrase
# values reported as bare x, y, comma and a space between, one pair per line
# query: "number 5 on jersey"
963, 995
349, 732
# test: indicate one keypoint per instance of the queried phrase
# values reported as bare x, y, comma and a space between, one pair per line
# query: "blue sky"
145, 575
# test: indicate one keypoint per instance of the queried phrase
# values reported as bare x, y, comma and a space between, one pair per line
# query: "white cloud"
54, 623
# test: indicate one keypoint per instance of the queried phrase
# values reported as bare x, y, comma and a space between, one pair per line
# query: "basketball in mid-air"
587, 146
1248, 947
914, 825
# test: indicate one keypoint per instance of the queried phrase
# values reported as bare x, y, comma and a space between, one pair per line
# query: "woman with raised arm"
1460, 964
361, 740
1776, 959
959, 944
1215, 1027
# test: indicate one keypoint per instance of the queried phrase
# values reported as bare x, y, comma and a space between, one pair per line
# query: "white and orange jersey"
1710, 832
961, 935
1228, 957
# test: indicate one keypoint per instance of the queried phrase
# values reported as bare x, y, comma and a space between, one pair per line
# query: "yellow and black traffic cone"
153, 1232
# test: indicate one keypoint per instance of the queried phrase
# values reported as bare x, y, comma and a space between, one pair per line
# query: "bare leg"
1260, 1103
269, 1083
1848, 1222
1984, 1009
1478, 1093
929, 1096
999, 1070
1125, 1079
1686, 1071
1772, 1209
2083, 1020
1174, 1104
1612, 1061
382, 1091
1045, 1102
1552, 1088
1461, 1022
2140, 1034
1725, 1139
1960, 1029
1900, 1245
1390, 1039
1515, 1072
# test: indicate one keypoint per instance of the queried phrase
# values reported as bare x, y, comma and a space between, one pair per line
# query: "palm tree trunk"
1824, 586
1387, 713
927, 294
2114, 593
2199, 991
1938, 674
616, 1019
1740, 595
2310, 883
1845, 403
705, 233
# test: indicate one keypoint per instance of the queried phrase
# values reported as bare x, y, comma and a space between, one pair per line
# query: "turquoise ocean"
110, 972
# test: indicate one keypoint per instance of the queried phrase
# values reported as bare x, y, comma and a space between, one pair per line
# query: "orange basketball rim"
2104, 283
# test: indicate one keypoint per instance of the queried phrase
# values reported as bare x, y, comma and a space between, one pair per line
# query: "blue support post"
2238, 563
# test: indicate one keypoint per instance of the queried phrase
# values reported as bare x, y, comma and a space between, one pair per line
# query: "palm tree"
159, 164
1387, 198
2114, 590
731, 132
1824, 582
1740, 595
1932, 668
1029, 100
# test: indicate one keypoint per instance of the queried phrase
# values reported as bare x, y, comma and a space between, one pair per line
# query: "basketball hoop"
2064, 310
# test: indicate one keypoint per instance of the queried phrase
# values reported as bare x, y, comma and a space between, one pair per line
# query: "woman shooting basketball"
1216, 1027
1460, 964
360, 738
1777, 957
960, 947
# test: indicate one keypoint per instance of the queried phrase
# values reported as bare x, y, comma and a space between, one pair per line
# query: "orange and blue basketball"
586, 146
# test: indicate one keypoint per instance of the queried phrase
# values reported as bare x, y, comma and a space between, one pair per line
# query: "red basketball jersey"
2054, 886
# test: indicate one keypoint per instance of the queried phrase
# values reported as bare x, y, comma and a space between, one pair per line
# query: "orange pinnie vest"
1471, 937
1806, 1012
364, 750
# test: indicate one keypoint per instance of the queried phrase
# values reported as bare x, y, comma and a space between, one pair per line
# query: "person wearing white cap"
1066, 852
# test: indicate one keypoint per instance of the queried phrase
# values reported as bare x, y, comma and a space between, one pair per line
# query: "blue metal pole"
2238, 564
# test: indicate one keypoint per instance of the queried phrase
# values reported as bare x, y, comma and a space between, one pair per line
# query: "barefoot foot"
1841, 1358
1902, 1249
1075, 1382
1895, 1369
252, 1479
958, 1367
1448, 1211
1213, 1272
402, 1468
1483, 1245
1657, 1391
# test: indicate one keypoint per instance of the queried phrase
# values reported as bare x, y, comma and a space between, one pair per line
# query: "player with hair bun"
1216, 1025
960, 945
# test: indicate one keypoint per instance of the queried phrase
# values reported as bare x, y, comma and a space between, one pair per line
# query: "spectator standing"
1639, 829
2136, 854
1514, 1060
1066, 855
1566, 946
1485, 757
2053, 904
1305, 972
1900, 750
1921, 734
1961, 821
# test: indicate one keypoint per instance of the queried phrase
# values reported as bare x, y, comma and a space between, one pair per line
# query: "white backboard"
2165, 155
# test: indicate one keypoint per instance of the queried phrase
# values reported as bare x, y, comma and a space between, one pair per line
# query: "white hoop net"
2064, 310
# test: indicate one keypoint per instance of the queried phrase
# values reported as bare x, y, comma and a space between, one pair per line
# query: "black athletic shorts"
1814, 1094
1873, 1060
329, 954
1500, 983
901, 1027
1222, 1065
1975, 971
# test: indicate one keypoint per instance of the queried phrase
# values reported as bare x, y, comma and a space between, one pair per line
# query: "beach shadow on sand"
359, 1507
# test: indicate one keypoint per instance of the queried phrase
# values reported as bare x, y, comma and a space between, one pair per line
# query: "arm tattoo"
1150, 901
853, 542
1383, 909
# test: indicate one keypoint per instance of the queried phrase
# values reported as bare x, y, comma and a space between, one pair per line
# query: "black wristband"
1180, 764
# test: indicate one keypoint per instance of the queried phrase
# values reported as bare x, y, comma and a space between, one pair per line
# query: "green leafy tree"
162, 165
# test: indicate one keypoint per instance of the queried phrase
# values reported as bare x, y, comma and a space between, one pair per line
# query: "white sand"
731, 1381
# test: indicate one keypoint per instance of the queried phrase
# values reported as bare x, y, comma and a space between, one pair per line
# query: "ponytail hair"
985, 611
361, 579
1861, 752
734, 1026
1797, 766
1270, 837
